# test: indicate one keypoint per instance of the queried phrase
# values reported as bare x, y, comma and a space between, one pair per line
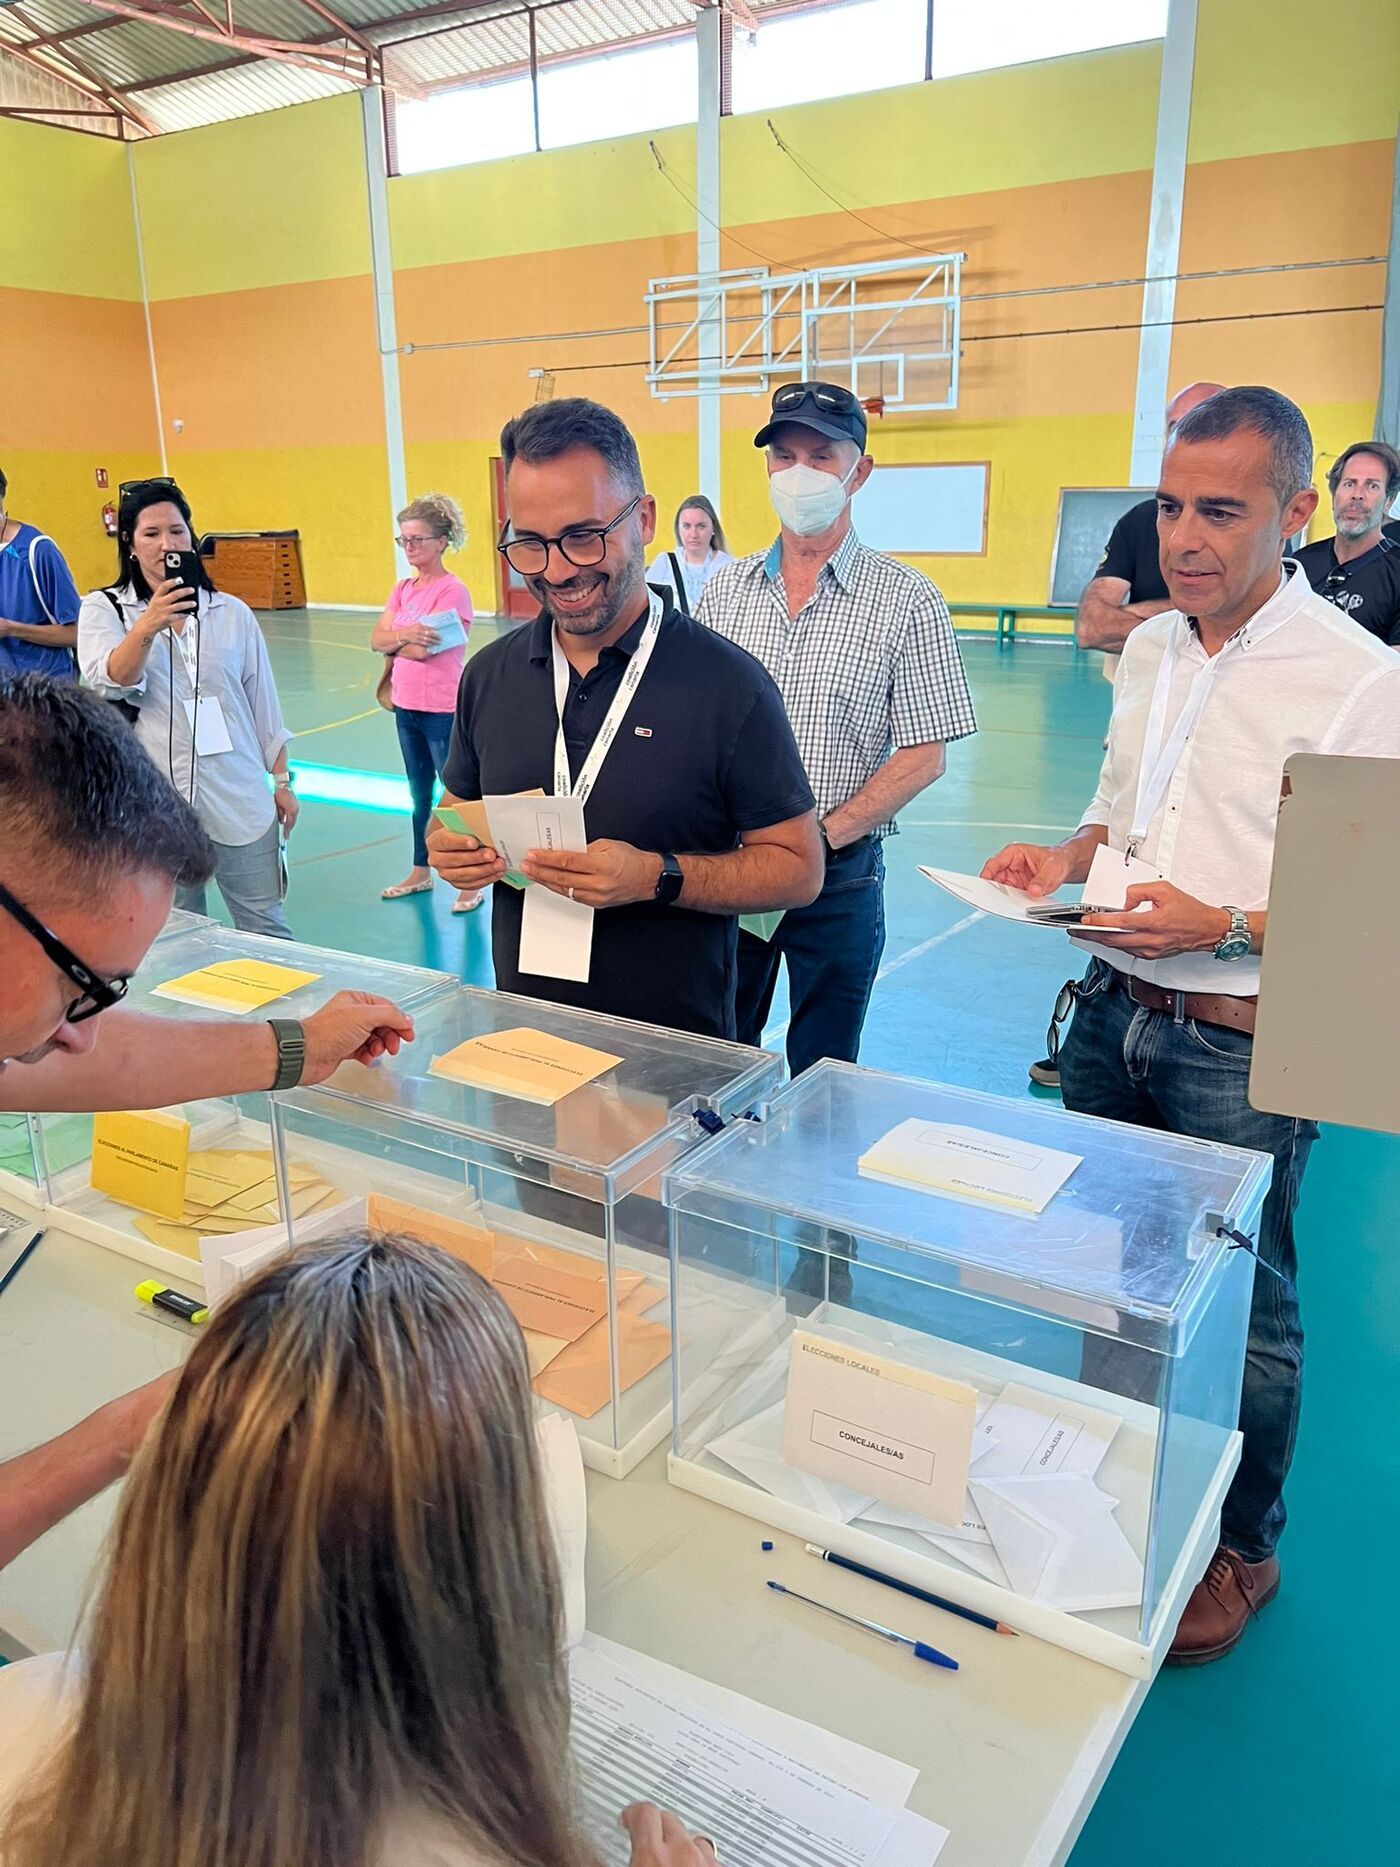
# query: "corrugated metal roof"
218, 78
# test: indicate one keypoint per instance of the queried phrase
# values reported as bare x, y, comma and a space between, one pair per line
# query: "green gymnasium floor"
1286, 1752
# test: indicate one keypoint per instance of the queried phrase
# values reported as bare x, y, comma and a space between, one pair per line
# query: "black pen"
20, 1261
908, 1588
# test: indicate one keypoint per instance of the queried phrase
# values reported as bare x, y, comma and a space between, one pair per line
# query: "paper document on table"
860, 1419
533, 1065
635, 1741
969, 1163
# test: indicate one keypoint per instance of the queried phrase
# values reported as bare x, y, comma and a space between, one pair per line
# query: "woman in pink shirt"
425, 674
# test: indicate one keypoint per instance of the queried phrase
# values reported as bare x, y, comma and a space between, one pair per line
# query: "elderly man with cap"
863, 652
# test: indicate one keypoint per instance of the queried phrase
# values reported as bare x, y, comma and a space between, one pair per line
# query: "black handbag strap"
681, 604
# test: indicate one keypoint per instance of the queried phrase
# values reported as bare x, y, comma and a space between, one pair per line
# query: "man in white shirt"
1212, 696
95, 841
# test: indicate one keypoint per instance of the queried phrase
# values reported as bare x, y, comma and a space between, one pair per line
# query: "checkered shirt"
870, 665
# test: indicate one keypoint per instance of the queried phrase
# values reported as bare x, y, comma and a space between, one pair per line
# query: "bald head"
1188, 398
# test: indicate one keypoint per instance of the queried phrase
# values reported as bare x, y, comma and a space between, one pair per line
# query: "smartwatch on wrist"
291, 1052
671, 881
1235, 942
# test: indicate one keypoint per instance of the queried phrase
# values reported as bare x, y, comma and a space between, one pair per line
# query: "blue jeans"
423, 741
1132, 1065
832, 949
253, 883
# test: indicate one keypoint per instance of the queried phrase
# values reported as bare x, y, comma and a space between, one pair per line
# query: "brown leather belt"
1204, 1007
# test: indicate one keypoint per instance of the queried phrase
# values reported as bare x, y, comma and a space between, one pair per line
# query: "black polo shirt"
705, 753
1367, 589
1134, 554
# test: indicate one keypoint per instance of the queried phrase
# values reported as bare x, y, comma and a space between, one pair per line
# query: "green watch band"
291, 1052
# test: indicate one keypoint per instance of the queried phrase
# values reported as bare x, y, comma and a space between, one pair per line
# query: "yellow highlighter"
155, 1293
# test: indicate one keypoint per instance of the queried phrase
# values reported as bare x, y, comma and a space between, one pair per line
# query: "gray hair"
548, 429
1256, 410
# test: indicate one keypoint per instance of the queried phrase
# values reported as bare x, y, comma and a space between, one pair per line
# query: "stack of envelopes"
234, 1190
560, 1300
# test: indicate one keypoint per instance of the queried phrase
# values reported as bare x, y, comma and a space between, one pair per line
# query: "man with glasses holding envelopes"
95, 842
615, 711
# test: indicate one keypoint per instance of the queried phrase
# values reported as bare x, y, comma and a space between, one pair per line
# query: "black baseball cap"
824, 406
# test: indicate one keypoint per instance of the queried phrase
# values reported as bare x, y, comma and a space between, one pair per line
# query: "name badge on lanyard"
556, 934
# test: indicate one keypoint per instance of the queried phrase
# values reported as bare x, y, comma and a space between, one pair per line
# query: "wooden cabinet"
264, 568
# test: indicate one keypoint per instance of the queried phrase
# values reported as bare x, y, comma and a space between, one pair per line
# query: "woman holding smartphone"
193, 663
425, 673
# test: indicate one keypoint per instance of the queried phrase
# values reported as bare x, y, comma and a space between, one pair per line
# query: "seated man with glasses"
696, 804
95, 842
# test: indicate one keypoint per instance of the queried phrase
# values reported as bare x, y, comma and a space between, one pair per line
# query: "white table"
1012, 1750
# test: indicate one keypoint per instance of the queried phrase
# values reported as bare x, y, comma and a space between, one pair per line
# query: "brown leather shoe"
1225, 1600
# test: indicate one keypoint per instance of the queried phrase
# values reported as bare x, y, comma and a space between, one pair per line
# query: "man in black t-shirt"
1359, 569
700, 808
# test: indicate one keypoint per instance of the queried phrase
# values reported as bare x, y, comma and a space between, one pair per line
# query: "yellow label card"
235, 985
141, 1160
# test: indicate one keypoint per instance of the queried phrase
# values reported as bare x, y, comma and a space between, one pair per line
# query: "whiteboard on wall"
915, 511
1087, 515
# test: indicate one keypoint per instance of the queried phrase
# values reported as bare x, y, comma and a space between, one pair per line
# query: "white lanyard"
564, 785
1159, 761
188, 644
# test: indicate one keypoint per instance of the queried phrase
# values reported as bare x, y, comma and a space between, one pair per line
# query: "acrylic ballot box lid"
1132, 1242
181, 950
605, 1130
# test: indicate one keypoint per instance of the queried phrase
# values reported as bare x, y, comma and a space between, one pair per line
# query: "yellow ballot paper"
880, 1427
529, 1064
235, 985
141, 1160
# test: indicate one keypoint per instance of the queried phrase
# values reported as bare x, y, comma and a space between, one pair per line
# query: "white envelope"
1088, 1562
1023, 1542
1036, 1432
755, 1450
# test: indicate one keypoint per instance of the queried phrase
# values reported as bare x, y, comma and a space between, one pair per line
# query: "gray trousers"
252, 881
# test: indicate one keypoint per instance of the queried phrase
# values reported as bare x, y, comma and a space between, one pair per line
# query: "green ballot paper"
762, 926
475, 825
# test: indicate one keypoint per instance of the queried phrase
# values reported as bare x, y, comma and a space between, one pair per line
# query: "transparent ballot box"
19, 1162
152, 1184
979, 1344
530, 1139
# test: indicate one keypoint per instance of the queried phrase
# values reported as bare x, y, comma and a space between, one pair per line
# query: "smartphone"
184, 565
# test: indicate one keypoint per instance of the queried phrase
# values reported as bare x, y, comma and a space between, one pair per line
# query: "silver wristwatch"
1235, 942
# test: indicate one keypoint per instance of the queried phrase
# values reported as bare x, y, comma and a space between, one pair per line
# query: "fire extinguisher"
109, 519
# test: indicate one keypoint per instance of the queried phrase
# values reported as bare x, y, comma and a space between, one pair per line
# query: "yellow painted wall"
77, 382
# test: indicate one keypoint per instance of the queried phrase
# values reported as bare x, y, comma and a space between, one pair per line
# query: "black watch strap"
291, 1052
669, 887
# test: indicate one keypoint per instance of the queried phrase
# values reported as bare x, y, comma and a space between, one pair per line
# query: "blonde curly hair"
442, 514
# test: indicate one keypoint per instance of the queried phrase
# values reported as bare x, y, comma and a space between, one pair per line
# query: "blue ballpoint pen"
921, 1650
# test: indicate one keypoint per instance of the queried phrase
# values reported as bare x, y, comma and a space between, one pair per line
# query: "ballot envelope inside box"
976, 1342
530, 1139
200, 972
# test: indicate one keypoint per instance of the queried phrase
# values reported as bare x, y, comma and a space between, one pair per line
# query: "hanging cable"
797, 162
700, 213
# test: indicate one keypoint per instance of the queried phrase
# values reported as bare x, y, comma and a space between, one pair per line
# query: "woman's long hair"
331, 1609
132, 502
701, 504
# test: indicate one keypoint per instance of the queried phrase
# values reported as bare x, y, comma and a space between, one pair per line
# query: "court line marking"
967, 823
775, 1032
330, 725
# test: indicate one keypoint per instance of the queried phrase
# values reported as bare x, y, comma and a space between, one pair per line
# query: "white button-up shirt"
1298, 677
229, 789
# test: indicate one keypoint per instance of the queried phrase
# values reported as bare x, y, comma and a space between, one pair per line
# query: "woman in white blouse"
330, 1631
179, 656
700, 551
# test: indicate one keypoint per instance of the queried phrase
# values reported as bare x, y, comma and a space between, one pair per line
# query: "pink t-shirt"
429, 686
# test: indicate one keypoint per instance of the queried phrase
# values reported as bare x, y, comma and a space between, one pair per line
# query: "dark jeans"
423, 741
1146, 1067
832, 949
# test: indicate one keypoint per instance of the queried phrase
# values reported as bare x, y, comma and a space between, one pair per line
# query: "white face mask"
806, 500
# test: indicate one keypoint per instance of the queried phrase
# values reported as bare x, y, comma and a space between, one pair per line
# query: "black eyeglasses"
94, 992
824, 394
133, 486
582, 546
1334, 581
